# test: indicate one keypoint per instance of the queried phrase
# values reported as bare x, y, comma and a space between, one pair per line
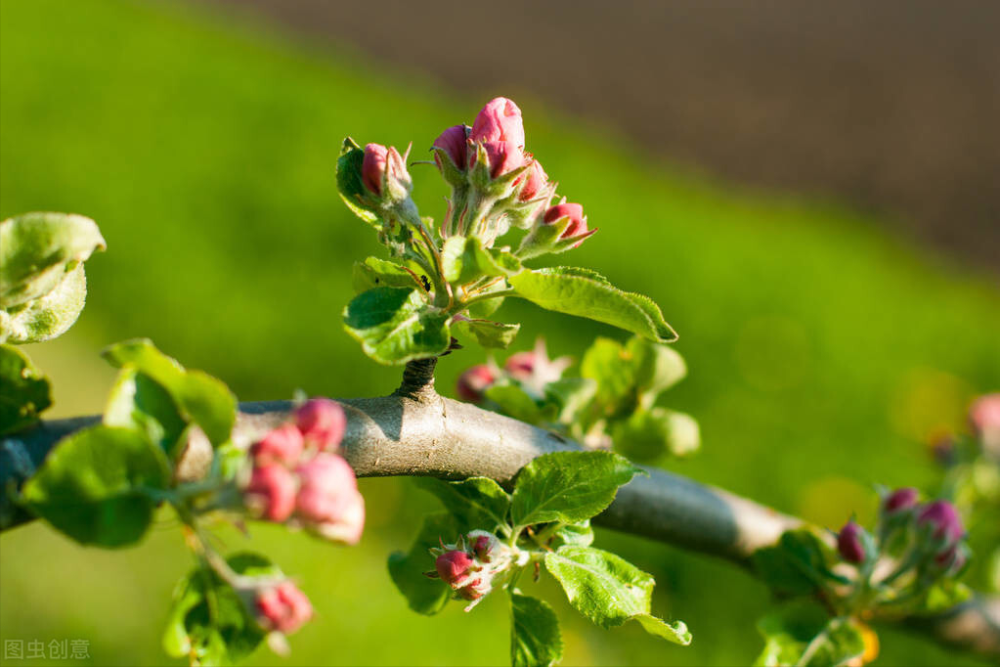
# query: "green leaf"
375, 272
535, 639
489, 334
794, 566
26, 392
802, 634
602, 586
395, 325
423, 594
137, 401
38, 250
572, 397
676, 632
483, 309
92, 486
657, 367
208, 621
349, 184
199, 397
647, 435
568, 486
476, 502
578, 534
465, 261
610, 366
47, 316
514, 402
588, 296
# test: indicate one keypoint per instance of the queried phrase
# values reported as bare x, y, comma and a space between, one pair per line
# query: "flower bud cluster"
531, 369
934, 530
475, 565
297, 477
497, 184
282, 607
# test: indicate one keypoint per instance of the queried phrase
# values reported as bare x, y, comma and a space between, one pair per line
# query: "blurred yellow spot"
831, 501
871, 643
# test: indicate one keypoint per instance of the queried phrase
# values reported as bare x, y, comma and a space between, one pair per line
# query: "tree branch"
417, 432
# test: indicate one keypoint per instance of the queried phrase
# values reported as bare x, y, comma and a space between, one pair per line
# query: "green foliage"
802, 634
489, 334
568, 486
796, 565
465, 261
424, 595
394, 325
155, 393
534, 634
592, 297
94, 486
26, 392
42, 284
209, 622
476, 502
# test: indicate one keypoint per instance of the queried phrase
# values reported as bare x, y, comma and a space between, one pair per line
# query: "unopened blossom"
473, 383
454, 567
946, 524
534, 369
281, 445
328, 501
283, 608
384, 174
900, 500
850, 543
453, 142
577, 226
322, 423
270, 493
500, 120
984, 415
535, 181
503, 156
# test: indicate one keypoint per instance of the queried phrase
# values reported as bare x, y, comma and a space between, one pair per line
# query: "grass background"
821, 351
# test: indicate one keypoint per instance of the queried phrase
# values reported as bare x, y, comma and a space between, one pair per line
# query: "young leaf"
572, 396
657, 367
535, 639
208, 621
568, 486
611, 368
676, 632
794, 566
395, 325
91, 487
137, 401
26, 392
604, 587
476, 502
38, 250
487, 333
572, 293
47, 316
423, 594
802, 634
375, 272
578, 534
199, 397
647, 435
349, 181
465, 261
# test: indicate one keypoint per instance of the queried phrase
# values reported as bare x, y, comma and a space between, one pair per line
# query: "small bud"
322, 423
453, 142
474, 382
944, 520
482, 544
984, 416
373, 168
271, 492
900, 500
283, 608
499, 120
281, 445
454, 567
328, 502
384, 175
577, 227
850, 543
504, 157
534, 182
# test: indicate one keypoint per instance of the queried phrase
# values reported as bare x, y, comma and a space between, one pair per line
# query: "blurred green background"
822, 353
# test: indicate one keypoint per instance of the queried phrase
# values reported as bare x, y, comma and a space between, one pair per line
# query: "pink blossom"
271, 492
504, 157
281, 445
283, 608
328, 501
500, 120
944, 518
521, 365
373, 167
901, 500
535, 181
454, 567
474, 382
453, 142
322, 423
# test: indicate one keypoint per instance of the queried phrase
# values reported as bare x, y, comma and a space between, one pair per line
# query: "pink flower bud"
535, 181
283, 608
500, 120
944, 518
328, 501
577, 226
454, 567
504, 157
282, 445
473, 590
271, 492
849, 543
900, 500
373, 167
984, 415
473, 383
482, 545
322, 423
454, 143
521, 365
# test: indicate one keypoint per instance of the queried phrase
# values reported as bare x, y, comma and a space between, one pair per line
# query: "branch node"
418, 380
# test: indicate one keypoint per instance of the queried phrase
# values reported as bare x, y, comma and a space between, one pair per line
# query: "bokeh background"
809, 193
